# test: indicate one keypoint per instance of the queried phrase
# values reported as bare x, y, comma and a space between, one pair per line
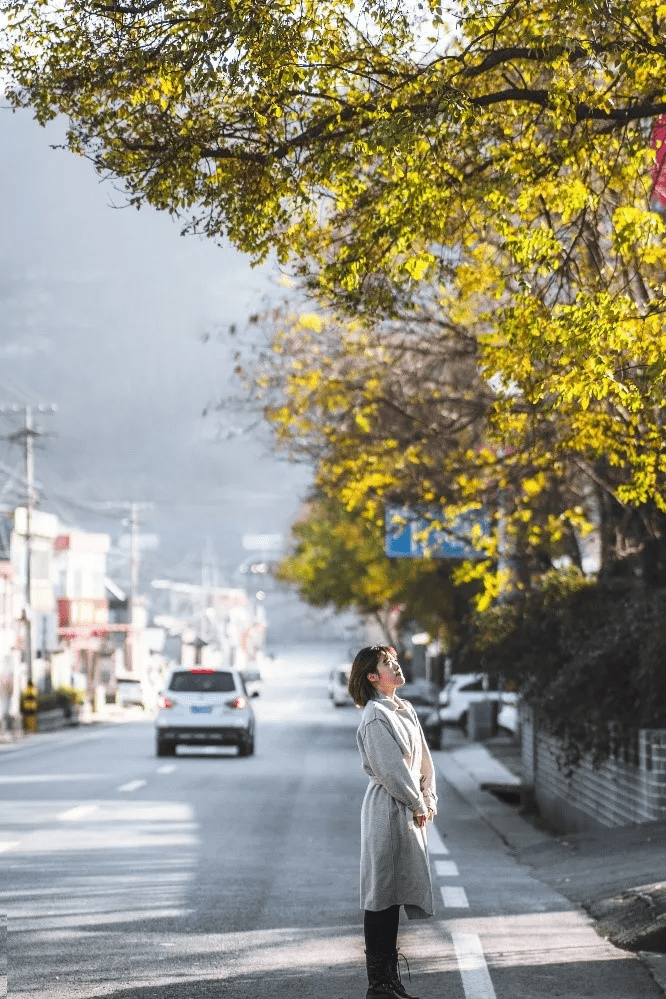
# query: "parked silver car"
204, 707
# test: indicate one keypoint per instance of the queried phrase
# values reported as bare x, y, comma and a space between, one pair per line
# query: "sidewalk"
610, 873
111, 715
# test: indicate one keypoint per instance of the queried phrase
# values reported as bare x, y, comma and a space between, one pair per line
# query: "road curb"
656, 964
40, 739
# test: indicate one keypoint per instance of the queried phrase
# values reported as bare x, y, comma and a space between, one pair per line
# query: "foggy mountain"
113, 316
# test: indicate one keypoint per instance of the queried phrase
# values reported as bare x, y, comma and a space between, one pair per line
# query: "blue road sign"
407, 534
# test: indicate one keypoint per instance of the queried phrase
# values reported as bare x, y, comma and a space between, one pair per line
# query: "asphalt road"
210, 876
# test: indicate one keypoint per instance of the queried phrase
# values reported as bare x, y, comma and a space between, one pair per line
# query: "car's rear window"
343, 677
214, 683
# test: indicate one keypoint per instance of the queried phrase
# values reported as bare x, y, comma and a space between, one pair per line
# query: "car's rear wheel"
165, 748
246, 746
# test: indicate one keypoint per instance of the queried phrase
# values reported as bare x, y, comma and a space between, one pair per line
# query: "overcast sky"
105, 311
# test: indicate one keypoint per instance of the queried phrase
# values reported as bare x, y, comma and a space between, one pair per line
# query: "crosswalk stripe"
454, 897
473, 968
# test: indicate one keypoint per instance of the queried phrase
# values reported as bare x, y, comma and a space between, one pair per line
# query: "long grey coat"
395, 868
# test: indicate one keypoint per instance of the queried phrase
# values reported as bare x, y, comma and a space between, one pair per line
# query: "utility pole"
134, 553
132, 521
26, 437
131, 645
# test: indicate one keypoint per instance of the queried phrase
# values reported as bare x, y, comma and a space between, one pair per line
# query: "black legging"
381, 930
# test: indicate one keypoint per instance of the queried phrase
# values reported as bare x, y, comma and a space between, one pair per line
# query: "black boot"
394, 976
380, 983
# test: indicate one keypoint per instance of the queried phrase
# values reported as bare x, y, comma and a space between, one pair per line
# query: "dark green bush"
589, 658
72, 695
47, 702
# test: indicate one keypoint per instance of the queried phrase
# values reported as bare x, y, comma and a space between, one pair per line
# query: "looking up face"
387, 675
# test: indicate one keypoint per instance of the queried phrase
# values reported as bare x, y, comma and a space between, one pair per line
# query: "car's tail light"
165, 702
238, 702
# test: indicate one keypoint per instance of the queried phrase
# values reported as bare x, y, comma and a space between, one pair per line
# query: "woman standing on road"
398, 803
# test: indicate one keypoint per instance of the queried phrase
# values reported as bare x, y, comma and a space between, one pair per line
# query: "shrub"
72, 695
588, 657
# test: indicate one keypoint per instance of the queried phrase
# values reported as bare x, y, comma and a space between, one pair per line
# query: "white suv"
461, 690
200, 706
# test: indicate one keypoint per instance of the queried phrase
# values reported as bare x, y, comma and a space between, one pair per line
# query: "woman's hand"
420, 819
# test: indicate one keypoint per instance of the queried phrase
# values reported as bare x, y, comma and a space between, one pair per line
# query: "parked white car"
463, 689
337, 685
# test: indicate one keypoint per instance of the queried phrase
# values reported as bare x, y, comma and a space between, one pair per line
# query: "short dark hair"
365, 662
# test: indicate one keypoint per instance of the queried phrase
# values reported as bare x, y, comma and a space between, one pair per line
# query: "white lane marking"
35, 778
446, 869
132, 785
8, 844
76, 813
454, 897
473, 968
168, 768
435, 841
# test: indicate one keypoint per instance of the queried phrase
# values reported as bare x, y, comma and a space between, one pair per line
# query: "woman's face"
387, 675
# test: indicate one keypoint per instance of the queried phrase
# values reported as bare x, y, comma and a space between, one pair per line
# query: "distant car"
130, 691
423, 696
461, 690
204, 707
252, 680
337, 685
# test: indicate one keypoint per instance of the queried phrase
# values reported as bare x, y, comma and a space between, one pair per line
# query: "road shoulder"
576, 866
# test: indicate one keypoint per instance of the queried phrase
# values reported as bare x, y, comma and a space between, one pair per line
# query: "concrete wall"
617, 793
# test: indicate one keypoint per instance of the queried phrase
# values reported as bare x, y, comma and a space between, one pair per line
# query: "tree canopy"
296, 124
470, 185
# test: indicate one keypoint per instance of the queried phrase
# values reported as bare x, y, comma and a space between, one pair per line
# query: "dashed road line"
446, 869
76, 813
473, 968
167, 768
132, 785
435, 842
454, 897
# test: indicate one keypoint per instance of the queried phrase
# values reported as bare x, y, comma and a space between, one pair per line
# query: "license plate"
200, 709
